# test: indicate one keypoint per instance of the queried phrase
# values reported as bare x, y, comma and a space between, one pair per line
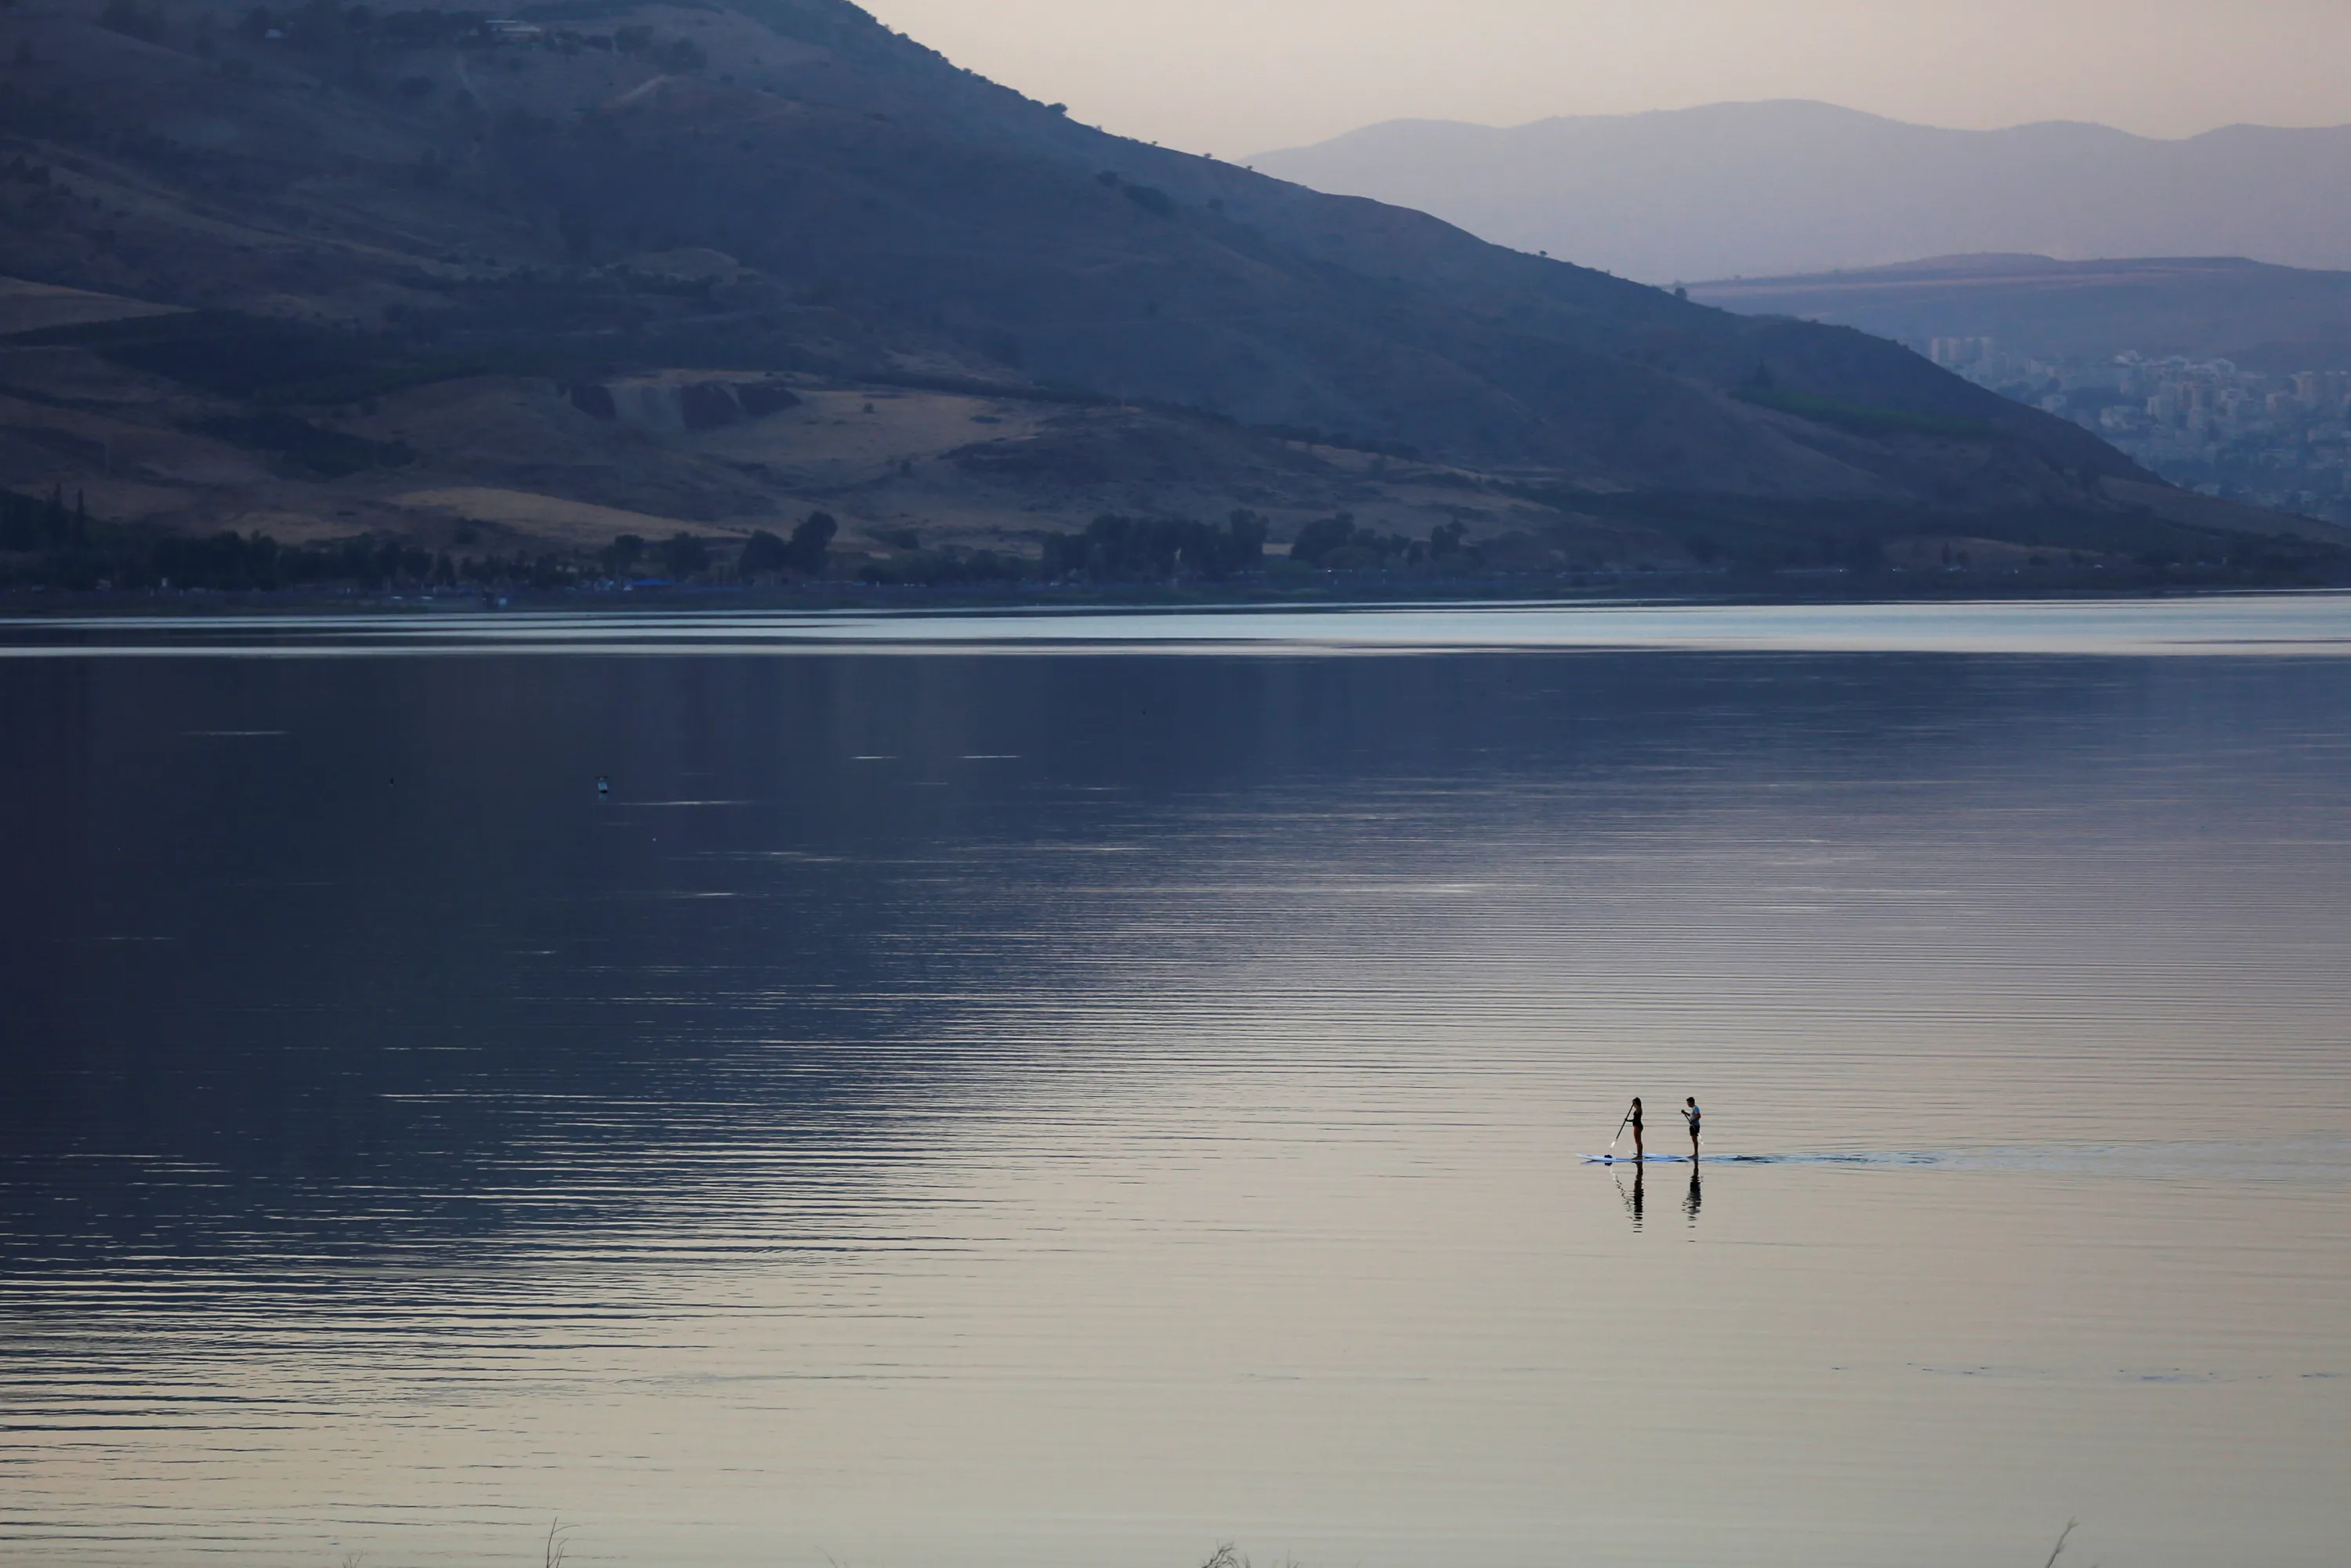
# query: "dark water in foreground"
947, 1107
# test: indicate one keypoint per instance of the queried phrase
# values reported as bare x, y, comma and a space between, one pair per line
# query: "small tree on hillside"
810, 542
684, 555
764, 555
622, 554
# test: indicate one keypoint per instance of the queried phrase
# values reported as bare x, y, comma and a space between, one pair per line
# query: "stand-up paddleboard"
1818, 1160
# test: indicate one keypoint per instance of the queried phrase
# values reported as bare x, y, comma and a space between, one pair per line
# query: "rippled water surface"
946, 1108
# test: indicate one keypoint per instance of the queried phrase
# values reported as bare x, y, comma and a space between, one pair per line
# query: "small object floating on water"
603, 784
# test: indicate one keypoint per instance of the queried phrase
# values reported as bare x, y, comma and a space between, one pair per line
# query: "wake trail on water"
2325, 1159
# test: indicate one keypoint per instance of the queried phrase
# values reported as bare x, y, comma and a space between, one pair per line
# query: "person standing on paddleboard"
1689, 1114
1634, 1117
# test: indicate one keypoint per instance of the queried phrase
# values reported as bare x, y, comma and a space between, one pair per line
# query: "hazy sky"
1236, 77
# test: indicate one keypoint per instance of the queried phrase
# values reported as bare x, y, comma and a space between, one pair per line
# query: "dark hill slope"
451, 200
2276, 319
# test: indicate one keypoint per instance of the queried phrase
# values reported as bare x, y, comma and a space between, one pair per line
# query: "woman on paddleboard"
1634, 1116
1689, 1114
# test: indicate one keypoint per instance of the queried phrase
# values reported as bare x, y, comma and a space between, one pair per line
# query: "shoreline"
1343, 590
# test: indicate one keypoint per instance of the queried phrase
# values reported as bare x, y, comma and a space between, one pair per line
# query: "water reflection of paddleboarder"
1632, 1199
1689, 1204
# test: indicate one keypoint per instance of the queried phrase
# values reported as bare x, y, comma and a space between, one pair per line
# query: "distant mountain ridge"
1792, 186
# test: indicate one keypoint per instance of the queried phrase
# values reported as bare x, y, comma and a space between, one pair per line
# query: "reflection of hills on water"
349, 953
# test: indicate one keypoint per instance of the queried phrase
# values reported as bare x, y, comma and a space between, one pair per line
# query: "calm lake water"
1045, 1089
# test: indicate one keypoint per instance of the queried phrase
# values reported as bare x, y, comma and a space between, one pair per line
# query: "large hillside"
621, 268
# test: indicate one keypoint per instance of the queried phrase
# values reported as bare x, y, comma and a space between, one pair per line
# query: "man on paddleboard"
1689, 1114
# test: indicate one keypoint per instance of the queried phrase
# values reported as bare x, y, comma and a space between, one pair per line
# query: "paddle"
1619, 1133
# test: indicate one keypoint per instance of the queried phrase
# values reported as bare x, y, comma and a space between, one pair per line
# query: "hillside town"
2276, 441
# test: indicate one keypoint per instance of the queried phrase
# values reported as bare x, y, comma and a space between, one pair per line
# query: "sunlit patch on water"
2307, 624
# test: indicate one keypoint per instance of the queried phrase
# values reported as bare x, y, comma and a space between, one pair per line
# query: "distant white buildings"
1962, 353
2276, 441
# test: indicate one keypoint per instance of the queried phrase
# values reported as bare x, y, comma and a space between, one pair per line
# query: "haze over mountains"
636, 267
1766, 188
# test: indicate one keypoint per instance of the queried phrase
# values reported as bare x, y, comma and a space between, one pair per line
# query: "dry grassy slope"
892, 215
509, 459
